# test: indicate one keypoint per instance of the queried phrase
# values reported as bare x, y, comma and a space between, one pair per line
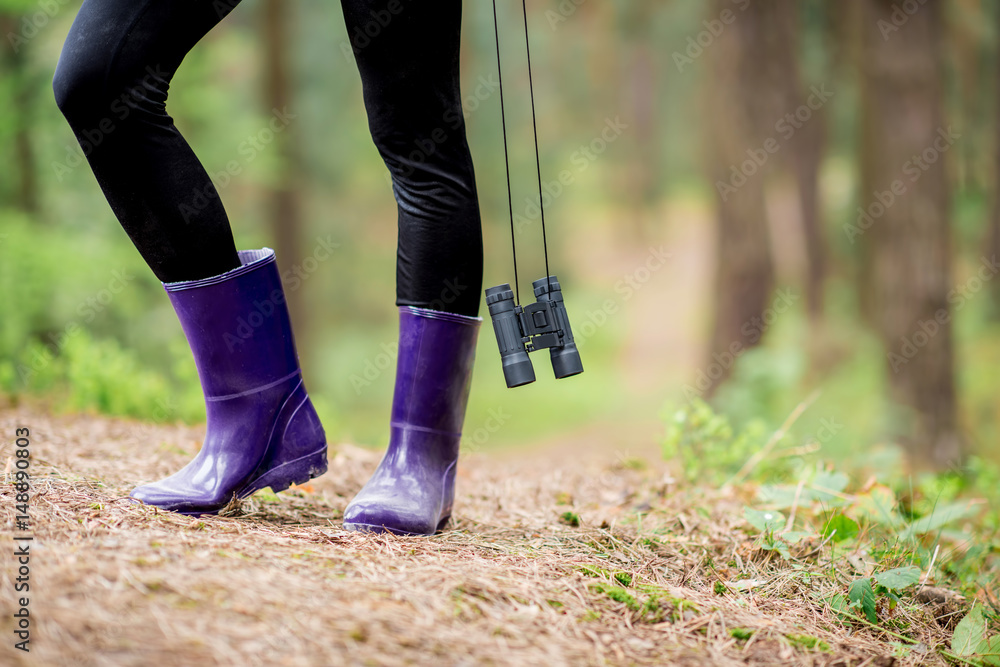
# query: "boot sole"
299, 471
372, 528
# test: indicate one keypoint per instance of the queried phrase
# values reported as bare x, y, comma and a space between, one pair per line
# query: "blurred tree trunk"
966, 42
845, 48
15, 69
283, 196
739, 97
642, 78
806, 146
808, 158
993, 235
908, 240
843, 40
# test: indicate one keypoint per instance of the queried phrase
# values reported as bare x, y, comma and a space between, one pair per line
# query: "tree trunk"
966, 19
805, 147
642, 88
808, 158
744, 272
16, 64
905, 193
993, 237
283, 197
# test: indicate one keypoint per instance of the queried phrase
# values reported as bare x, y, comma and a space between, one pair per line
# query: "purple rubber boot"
262, 428
412, 491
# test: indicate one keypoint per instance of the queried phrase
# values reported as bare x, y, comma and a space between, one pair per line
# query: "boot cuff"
427, 313
250, 260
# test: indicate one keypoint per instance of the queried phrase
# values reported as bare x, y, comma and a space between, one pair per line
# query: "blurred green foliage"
60, 340
705, 445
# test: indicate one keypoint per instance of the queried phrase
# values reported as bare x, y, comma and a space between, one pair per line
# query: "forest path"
661, 313
590, 559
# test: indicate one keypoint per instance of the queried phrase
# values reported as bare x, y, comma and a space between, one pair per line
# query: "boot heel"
298, 454
299, 471
448, 499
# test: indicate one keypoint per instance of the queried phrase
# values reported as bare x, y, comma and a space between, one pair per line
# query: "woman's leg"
407, 52
408, 55
111, 84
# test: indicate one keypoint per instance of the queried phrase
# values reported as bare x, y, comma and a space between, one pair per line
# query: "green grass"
814, 522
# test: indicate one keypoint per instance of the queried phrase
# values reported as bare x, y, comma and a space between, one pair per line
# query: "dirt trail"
514, 581
663, 318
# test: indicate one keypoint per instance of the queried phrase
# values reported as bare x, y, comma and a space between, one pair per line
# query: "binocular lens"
566, 361
517, 369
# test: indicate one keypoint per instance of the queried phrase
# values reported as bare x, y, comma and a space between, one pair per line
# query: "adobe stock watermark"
910, 346
753, 329
248, 150
898, 18
698, 44
119, 110
626, 288
828, 430
475, 440
786, 126
580, 159
32, 23
20, 483
224, 7
292, 279
386, 359
452, 119
912, 170
453, 288
486, 86
375, 366
164, 410
365, 34
562, 12
88, 310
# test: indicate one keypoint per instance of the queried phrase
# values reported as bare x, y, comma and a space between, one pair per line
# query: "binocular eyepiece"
535, 326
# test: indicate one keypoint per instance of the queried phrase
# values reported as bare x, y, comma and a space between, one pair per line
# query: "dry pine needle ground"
546, 563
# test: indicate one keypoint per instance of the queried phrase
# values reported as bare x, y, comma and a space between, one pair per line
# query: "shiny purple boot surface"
262, 428
413, 488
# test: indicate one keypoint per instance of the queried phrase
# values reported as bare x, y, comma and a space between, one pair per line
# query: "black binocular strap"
506, 155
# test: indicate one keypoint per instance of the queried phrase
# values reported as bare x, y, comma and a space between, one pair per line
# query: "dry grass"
512, 581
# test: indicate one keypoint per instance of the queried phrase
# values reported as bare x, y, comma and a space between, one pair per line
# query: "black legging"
111, 84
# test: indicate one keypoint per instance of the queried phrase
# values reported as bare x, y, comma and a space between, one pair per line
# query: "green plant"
705, 443
864, 593
773, 536
621, 595
808, 643
623, 578
840, 528
570, 519
972, 638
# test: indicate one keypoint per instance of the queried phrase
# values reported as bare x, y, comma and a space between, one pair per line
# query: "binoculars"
543, 324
